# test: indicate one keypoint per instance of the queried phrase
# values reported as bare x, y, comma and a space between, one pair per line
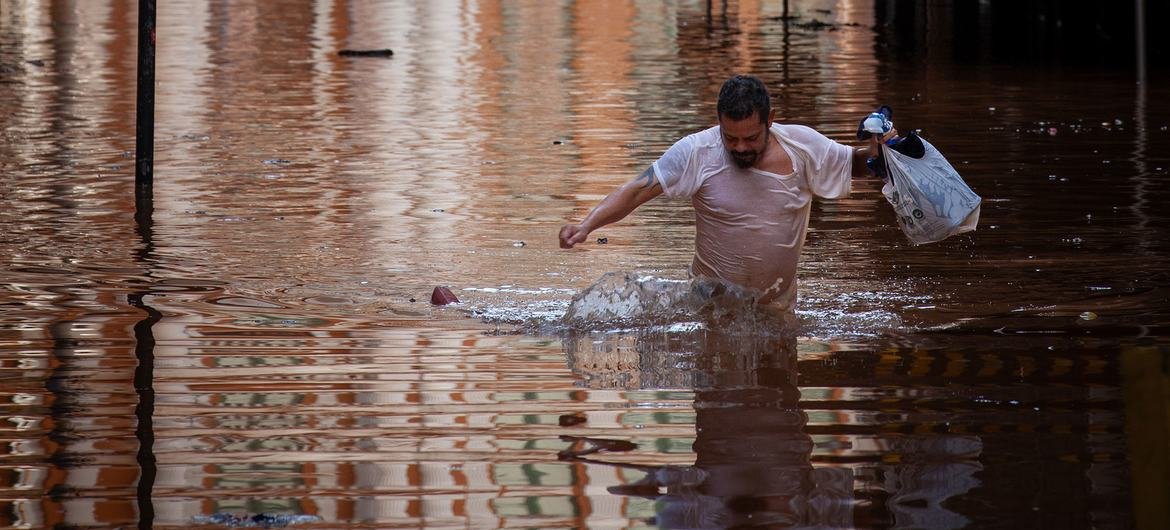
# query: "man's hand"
872, 149
875, 143
572, 234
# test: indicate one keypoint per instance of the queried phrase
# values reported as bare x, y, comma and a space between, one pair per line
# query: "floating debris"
582, 446
385, 52
443, 296
818, 25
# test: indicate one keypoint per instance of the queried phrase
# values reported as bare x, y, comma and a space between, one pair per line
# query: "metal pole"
1140, 31
143, 217
144, 136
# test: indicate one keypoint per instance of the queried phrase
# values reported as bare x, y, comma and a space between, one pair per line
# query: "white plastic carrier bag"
930, 198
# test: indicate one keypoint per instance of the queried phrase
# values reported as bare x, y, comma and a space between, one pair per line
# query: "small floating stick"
367, 53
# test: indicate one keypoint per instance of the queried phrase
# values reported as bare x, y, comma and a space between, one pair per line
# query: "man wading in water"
751, 182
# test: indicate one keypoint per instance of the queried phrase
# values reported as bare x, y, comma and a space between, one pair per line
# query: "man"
751, 182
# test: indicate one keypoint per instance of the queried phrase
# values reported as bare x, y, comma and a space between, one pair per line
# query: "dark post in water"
144, 142
143, 213
1139, 8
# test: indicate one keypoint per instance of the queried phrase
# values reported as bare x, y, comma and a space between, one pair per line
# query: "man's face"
744, 139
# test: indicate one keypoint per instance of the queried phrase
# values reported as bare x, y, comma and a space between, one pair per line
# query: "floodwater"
262, 350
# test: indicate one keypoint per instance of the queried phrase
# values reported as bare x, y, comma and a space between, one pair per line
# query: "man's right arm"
613, 208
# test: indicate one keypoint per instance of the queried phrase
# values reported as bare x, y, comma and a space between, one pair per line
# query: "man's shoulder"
690, 161
705, 138
698, 144
803, 139
795, 130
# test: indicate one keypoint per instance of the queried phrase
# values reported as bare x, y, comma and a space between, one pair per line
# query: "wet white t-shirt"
750, 224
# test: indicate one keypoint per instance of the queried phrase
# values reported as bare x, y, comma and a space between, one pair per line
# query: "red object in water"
443, 296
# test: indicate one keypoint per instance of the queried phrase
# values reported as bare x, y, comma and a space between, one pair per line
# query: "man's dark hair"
741, 96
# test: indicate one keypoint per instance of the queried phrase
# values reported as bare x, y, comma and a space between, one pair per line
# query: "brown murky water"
306, 204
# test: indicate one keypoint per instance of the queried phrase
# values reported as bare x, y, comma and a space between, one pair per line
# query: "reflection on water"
752, 457
809, 434
306, 204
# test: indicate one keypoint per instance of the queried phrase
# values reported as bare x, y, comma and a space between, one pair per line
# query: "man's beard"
744, 159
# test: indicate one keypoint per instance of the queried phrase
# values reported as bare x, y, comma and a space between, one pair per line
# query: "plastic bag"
930, 198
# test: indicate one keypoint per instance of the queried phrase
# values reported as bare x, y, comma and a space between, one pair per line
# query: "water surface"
306, 204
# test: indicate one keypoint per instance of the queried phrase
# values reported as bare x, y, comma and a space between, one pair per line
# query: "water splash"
626, 299
633, 302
